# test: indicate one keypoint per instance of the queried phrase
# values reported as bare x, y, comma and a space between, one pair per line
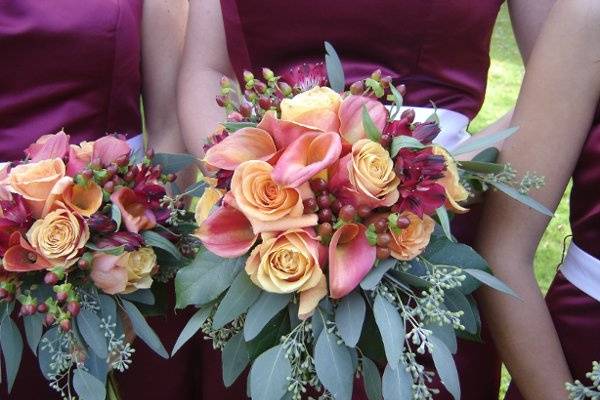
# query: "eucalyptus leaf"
398, 100
97, 366
12, 349
481, 167
143, 330
269, 373
115, 213
234, 359
262, 311
403, 141
154, 239
445, 333
173, 163
89, 327
442, 214
113, 251
33, 330
334, 366
376, 273
489, 155
371, 379
335, 71
108, 307
491, 281
397, 382
205, 278
240, 296
445, 366
270, 336
142, 296
455, 300
522, 198
349, 318
391, 327
193, 325
87, 386
44, 356
481, 142
371, 130
195, 189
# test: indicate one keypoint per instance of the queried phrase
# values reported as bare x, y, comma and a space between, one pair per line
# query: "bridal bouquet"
327, 245
88, 233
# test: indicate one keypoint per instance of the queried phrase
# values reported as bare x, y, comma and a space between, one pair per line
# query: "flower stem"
112, 387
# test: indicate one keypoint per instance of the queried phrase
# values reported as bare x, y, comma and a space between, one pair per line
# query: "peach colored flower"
290, 263
125, 273
207, 201
455, 192
59, 237
134, 210
79, 157
317, 107
411, 241
371, 173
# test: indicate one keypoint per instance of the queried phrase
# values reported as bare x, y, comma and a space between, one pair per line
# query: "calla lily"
351, 257
351, 121
284, 224
306, 156
48, 147
243, 145
309, 299
283, 132
109, 149
227, 233
21, 257
322, 120
84, 199
136, 215
205, 204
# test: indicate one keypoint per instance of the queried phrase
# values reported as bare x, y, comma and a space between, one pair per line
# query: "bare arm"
163, 30
554, 111
205, 61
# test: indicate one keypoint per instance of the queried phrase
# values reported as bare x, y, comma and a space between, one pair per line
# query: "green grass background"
505, 76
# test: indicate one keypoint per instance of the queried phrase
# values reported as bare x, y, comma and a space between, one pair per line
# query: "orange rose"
371, 173
455, 192
411, 241
59, 237
35, 182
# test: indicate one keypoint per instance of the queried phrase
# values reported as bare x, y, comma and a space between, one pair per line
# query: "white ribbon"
582, 270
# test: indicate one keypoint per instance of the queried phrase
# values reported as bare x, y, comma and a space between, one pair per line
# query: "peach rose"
35, 182
371, 173
125, 273
411, 241
290, 263
59, 237
455, 192
317, 107
259, 197
79, 157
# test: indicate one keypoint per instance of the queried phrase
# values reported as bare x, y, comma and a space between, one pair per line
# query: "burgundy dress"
75, 65
438, 48
576, 315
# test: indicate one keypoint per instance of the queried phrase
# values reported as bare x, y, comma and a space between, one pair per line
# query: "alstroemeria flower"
48, 147
136, 214
109, 149
306, 76
351, 257
455, 192
408, 243
15, 217
290, 262
129, 240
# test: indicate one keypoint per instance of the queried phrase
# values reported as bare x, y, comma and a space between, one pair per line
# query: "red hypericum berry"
51, 278
25, 310
65, 325
109, 186
171, 177
403, 222
310, 205
49, 319
220, 99
324, 201
364, 211
409, 115
264, 102
401, 89
325, 215
9, 297
381, 225
325, 230
129, 176
386, 81
383, 239
382, 253
246, 109
73, 307
357, 88
122, 160
348, 212
87, 174
3, 293
42, 308
83, 263
157, 170
385, 140
376, 75
318, 185
336, 206
62, 296
112, 170
150, 153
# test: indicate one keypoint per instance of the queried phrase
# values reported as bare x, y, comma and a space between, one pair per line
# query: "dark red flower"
16, 217
426, 132
398, 127
131, 241
306, 76
101, 223
224, 179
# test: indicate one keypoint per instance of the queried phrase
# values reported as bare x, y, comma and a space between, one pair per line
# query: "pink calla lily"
243, 145
351, 121
351, 257
324, 120
110, 148
48, 147
227, 232
283, 132
306, 156
21, 257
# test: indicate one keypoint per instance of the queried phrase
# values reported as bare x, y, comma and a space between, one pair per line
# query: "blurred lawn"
506, 73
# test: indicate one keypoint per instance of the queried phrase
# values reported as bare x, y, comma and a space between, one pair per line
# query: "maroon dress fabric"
76, 65
438, 48
576, 315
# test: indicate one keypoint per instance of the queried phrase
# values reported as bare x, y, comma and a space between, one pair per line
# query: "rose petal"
110, 148
49, 146
351, 121
227, 233
56, 194
283, 132
306, 156
350, 259
243, 145
107, 275
309, 299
